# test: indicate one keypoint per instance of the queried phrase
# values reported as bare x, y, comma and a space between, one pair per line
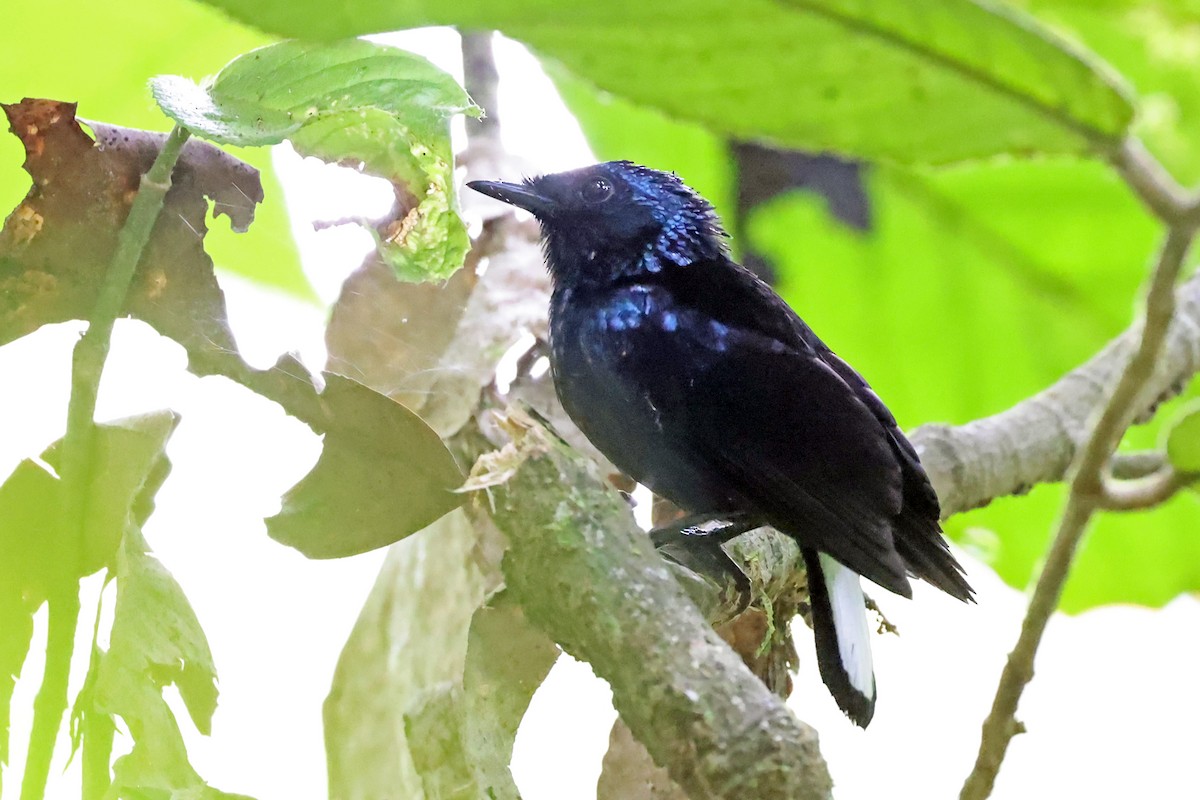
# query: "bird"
697, 380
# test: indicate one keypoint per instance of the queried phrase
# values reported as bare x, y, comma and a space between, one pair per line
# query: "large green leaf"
1153, 44
935, 81
350, 101
37, 554
619, 129
34, 62
461, 734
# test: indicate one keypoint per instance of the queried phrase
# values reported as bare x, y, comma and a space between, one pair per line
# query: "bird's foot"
696, 541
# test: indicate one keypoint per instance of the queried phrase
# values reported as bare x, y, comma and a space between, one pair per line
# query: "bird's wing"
726, 291
743, 392
918, 533
788, 435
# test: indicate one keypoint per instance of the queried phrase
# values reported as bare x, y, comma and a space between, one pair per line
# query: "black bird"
697, 380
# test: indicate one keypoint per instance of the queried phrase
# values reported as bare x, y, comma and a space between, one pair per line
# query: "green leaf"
34, 552
269, 94
132, 464
619, 129
16, 633
507, 659
383, 474
156, 641
1153, 45
426, 592
461, 734
935, 82
156, 635
438, 720
94, 34
1183, 440
346, 102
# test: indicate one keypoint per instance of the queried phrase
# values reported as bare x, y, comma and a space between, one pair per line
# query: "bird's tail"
839, 618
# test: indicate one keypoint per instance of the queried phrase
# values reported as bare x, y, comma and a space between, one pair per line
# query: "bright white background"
1111, 714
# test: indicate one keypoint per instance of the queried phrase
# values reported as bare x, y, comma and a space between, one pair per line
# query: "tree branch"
587, 576
1088, 491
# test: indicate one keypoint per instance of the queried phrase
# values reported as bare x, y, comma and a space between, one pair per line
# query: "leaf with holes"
353, 102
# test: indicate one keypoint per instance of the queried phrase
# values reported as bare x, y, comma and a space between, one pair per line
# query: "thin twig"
87, 365
1146, 492
1087, 491
481, 80
1152, 183
1138, 464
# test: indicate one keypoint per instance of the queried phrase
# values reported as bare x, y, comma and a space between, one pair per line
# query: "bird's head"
615, 219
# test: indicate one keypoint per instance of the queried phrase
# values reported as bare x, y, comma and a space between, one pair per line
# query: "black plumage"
699, 381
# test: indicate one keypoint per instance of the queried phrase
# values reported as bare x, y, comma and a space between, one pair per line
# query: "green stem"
51, 700
87, 365
96, 749
92, 350
96, 728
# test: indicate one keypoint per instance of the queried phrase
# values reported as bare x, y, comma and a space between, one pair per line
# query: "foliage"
348, 102
971, 288
55, 256
975, 80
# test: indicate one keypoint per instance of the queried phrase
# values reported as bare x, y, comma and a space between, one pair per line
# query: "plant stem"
87, 365
51, 700
1088, 491
87, 361
1147, 492
481, 80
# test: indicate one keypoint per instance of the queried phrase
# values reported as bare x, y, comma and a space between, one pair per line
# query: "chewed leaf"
56, 247
376, 107
429, 242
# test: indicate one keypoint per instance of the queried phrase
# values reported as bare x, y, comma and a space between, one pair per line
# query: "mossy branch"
590, 579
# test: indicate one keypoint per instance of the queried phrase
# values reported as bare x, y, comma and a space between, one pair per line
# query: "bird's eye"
596, 190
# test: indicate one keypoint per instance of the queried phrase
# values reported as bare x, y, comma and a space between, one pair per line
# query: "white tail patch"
849, 609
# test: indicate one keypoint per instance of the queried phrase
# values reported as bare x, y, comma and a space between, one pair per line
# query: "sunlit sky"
1110, 714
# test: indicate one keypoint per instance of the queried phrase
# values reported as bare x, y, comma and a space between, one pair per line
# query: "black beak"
515, 194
